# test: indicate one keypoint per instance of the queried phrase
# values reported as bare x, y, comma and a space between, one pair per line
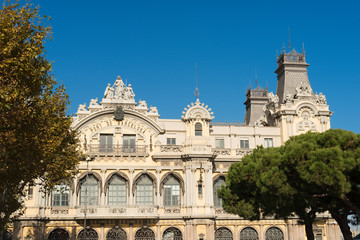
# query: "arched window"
60, 195
145, 234
217, 185
59, 234
248, 233
198, 129
172, 234
144, 190
116, 233
171, 191
117, 191
88, 234
89, 188
274, 233
223, 234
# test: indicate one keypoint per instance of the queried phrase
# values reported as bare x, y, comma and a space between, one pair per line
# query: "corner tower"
256, 99
291, 71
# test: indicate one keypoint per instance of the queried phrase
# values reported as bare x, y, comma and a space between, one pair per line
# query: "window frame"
64, 200
171, 141
198, 129
90, 194
221, 141
267, 141
117, 192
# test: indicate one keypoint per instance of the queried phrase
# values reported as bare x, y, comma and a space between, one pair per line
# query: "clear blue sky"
155, 44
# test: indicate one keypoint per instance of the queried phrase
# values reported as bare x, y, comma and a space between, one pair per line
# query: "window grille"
144, 190
172, 234
248, 233
171, 191
145, 234
60, 195
117, 191
92, 186
116, 233
217, 185
59, 234
198, 129
274, 233
88, 234
223, 234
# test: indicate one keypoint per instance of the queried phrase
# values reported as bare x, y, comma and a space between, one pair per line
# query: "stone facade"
152, 178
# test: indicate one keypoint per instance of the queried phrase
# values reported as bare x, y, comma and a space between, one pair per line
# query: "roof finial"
284, 47
197, 93
256, 84
303, 48
289, 39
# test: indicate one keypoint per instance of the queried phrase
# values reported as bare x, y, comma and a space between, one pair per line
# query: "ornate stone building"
152, 178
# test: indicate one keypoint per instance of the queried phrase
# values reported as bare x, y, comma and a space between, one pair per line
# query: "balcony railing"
116, 149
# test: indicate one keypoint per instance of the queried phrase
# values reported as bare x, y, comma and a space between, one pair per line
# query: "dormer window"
198, 129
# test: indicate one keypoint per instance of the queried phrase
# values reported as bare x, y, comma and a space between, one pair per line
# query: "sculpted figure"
142, 103
128, 94
82, 107
119, 88
153, 110
321, 99
288, 97
109, 92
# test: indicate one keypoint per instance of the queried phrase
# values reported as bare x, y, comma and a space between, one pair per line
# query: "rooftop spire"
197, 93
289, 39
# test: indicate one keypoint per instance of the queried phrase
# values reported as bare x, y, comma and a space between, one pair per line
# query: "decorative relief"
219, 151
199, 149
117, 210
119, 91
241, 152
60, 211
306, 123
89, 210
289, 98
128, 122
303, 90
172, 210
146, 210
170, 148
197, 110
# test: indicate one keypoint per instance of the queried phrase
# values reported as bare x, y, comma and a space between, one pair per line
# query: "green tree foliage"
311, 173
35, 137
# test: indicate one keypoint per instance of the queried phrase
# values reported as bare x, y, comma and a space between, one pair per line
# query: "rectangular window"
268, 142
200, 190
60, 195
171, 141
219, 143
106, 143
30, 192
244, 143
129, 143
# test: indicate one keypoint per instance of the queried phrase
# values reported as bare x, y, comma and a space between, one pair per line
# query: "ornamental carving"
89, 210
172, 210
116, 233
117, 210
197, 111
59, 211
306, 123
146, 210
303, 90
218, 151
145, 234
242, 153
170, 148
119, 91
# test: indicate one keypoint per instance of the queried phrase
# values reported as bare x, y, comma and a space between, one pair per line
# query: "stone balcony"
104, 212
117, 150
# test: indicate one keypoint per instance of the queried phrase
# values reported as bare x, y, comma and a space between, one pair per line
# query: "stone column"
102, 236
103, 171
158, 186
236, 232
131, 200
73, 202
158, 232
131, 234
188, 192
208, 187
261, 231
210, 231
